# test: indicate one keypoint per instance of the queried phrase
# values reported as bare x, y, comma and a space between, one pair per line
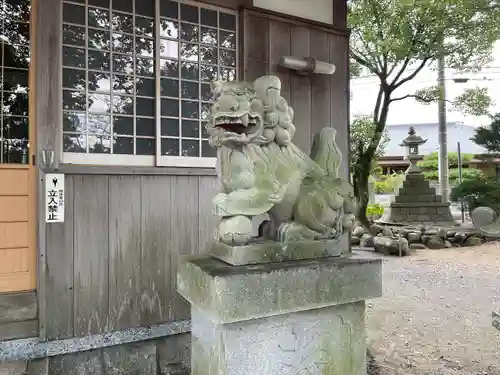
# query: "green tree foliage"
389, 184
431, 161
478, 192
360, 134
489, 136
430, 165
396, 39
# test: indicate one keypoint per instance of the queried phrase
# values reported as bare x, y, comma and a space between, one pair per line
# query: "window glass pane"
227, 39
123, 125
99, 39
74, 14
170, 127
123, 5
145, 7
145, 127
74, 35
189, 13
122, 22
75, 143
190, 32
169, 48
99, 144
98, 18
123, 145
74, 122
190, 90
170, 147
190, 129
109, 76
190, 109
190, 147
208, 36
208, 17
227, 21
169, 68
145, 146
99, 124
169, 29
99, 60
15, 127
170, 87
169, 9
74, 79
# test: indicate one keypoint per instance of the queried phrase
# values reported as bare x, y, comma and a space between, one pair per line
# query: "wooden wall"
318, 100
112, 263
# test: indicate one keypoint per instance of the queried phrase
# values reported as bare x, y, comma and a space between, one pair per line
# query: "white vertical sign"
54, 198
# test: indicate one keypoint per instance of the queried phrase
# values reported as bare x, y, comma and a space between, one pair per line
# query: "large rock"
358, 232
435, 242
375, 229
392, 246
355, 240
418, 246
460, 237
367, 240
414, 237
386, 232
473, 241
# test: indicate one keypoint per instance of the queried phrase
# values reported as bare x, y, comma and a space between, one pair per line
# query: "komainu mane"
262, 172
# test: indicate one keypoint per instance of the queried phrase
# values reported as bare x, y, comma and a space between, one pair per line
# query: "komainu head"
245, 113
235, 118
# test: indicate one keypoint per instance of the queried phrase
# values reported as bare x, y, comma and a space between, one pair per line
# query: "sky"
364, 91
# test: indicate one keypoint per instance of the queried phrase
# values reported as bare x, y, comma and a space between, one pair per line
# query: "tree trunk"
361, 175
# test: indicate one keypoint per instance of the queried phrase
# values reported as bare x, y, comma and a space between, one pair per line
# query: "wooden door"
17, 193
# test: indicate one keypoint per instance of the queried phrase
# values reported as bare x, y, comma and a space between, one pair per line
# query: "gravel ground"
435, 315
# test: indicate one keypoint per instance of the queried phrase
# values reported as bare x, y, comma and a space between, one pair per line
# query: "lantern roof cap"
413, 139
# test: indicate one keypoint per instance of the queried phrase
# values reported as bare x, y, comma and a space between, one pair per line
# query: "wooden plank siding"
112, 264
318, 100
118, 250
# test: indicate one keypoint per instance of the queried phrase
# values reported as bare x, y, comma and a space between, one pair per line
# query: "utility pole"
462, 208
443, 147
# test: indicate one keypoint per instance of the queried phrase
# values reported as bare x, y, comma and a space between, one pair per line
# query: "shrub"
467, 174
374, 211
389, 184
479, 192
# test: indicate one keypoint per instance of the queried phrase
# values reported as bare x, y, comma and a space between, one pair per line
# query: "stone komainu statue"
262, 172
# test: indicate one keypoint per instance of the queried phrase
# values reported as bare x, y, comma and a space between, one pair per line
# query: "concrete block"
228, 294
132, 359
272, 251
328, 341
13, 368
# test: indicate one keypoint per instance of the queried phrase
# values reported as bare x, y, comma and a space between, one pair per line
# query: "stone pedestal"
417, 203
283, 318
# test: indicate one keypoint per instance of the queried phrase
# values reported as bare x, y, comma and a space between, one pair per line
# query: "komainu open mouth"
237, 125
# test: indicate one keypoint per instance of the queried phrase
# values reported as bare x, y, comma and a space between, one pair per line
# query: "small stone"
355, 241
358, 232
418, 246
442, 233
375, 229
431, 232
473, 241
447, 244
367, 240
414, 237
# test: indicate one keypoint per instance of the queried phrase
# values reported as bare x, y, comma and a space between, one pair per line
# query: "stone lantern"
412, 142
